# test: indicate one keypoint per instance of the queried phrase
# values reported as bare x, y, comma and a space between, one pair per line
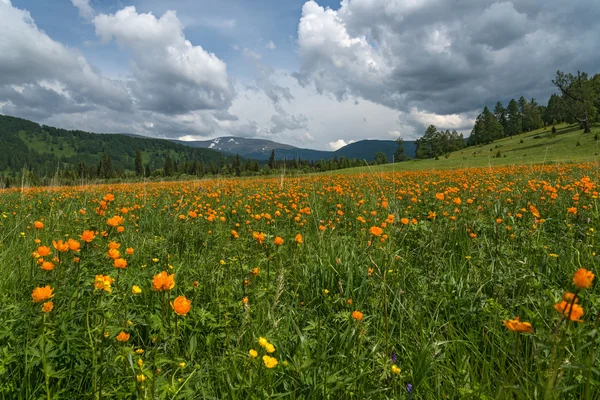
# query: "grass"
459, 252
569, 144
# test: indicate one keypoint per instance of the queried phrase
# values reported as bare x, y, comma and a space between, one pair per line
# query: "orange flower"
43, 251
109, 197
123, 337
113, 245
47, 306
583, 278
181, 305
88, 236
375, 231
517, 326
564, 308
40, 294
163, 281
129, 251
255, 271
245, 300
47, 266
572, 210
38, 225
298, 239
439, 196
74, 245
259, 236
357, 315
121, 229
60, 246
120, 263
114, 254
568, 297
115, 221
103, 282
278, 241
234, 234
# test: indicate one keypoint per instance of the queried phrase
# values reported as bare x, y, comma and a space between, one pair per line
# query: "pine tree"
514, 119
168, 166
399, 154
272, 160
139, 166
237, 165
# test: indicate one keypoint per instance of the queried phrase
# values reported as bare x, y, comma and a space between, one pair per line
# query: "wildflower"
44, 251
259, 237
40, 294
439, 196
60, 245
375, 231
139, 351
114, 254
115, 221
263, 342
255, 271
270, 362
181, 365
129, 251
47, 306
234, 234
88, 236
163, 281
395, 369
278, 241
298, 239
245, 300
135, 289
583, 278
517, 326
269, 348
113, 245
570, 298
38, 225
140, 378
181, 305
47, 266
253, 353
357, 315
74, 245
349, 302
123, 337
573, 314
120, 263
103, 282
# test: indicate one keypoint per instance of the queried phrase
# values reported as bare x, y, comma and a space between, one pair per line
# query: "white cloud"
270, 45
338, 144
451, 121
251, 54
85, 9
172, 76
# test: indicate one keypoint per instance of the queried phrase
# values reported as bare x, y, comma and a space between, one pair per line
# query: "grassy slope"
537, 147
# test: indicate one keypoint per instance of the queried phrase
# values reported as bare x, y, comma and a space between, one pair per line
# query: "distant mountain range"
260, 149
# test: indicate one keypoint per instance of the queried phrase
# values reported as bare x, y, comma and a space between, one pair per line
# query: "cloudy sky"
315, 74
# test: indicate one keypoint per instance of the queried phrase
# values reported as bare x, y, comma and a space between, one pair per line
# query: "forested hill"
44, 150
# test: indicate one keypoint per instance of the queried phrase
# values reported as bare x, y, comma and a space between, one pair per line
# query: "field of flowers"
370, 286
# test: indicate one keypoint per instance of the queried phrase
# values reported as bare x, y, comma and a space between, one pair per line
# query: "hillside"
43, 149
260, 149
569, 144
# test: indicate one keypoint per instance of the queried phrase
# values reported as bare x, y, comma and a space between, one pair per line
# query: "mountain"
260, 149
43, 149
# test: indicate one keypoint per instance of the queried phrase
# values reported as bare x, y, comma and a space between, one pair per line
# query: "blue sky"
316, 74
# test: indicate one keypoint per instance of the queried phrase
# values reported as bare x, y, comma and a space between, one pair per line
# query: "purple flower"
409, 388
394, 356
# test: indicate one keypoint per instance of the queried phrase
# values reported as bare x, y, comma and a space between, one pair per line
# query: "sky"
314, 74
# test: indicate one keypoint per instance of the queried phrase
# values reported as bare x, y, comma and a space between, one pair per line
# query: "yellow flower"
181, 365
269, 348
140, 378
270, 362
253, 353
263, 342
395, 369
140, 351
135, 289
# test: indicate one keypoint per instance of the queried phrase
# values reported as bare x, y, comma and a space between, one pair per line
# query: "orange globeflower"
114, 254
278, 241
38, 225
60, 245
40, 294
123, 337
298, 239
357, 315
47, 306
113, 245
517, 326
120, 263
181, 305
163, 281
115, 221
375, 231
47, 266
88, 236
259, 236
234, 234
129, 251
74, 245
439, 196
103, 282
564, 308
583, 278
43, 251
109, 197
